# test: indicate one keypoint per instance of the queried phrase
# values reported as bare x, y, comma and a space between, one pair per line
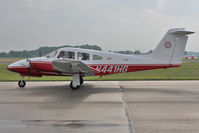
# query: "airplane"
79, 63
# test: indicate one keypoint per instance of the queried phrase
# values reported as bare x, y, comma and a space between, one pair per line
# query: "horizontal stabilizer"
180, 31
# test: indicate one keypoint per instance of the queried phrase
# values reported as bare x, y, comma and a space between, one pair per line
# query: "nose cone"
18, 65
9, 67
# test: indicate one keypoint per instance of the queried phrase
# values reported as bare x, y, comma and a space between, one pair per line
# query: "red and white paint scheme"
81, 62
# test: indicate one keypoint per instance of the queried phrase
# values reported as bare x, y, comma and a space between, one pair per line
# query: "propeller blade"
29, 67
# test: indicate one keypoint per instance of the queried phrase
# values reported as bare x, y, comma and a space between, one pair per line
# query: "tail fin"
171, 47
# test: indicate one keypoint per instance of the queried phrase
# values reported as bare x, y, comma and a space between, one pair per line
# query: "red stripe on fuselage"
24, 71
45, 66
39, 68
106, 69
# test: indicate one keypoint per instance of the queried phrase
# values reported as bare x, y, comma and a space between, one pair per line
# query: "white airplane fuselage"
111, 63
78, 62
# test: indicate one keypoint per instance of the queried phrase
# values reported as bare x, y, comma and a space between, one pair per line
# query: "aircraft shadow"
62, 97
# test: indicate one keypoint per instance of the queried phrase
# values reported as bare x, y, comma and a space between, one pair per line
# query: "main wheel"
22, 83
81, 80
74, 87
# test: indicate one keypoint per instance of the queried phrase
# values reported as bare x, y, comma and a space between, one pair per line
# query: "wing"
70, 67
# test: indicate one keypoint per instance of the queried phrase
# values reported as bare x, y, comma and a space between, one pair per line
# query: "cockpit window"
52, 54
66, 54
97, 57
82, 56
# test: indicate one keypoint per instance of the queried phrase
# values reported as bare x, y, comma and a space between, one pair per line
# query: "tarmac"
100, 106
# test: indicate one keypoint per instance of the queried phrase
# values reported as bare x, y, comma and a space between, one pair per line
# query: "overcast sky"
111, 24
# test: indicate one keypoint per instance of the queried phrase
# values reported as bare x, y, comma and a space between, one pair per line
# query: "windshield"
52, 54
67, 54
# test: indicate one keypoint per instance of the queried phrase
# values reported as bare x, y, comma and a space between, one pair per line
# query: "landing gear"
81, 80
76, 82
22, 82
74, 87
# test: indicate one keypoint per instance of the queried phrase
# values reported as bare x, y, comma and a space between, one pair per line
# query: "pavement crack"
126, 110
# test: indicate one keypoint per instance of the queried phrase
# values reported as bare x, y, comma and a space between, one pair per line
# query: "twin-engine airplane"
81, 62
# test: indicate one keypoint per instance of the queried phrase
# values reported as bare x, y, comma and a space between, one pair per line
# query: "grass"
8, 60
188, 71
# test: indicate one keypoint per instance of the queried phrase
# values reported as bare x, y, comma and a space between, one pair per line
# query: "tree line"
42, 51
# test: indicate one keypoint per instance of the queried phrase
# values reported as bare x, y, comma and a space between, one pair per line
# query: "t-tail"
171, 48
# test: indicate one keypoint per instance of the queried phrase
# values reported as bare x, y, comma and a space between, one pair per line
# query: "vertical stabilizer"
171, 47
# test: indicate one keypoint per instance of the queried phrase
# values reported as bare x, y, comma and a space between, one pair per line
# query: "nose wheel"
22, 83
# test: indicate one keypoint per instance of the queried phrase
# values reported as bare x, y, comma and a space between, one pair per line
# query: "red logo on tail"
167, 44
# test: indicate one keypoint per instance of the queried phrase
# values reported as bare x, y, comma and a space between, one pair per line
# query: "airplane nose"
12, 67
9, 67
17, 65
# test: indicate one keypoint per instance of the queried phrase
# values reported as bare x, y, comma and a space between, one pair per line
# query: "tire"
81, 80
21, 83
72, 87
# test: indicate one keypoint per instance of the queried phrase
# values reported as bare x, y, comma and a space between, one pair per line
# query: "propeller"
29, 68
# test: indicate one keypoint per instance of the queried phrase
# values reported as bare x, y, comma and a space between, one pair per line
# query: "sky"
111, 24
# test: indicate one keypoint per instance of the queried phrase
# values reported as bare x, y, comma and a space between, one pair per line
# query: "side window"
66, 54
82, 56
97, 57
